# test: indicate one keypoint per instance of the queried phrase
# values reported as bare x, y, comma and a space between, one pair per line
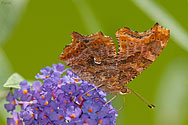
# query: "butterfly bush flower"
59, 98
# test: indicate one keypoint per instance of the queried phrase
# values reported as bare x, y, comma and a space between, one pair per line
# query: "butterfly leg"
110, 100
93, 89
113, 99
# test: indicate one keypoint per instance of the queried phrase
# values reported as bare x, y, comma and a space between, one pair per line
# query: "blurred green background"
33, 34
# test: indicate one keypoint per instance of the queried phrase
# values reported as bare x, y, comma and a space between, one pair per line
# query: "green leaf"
13, 81
10, 13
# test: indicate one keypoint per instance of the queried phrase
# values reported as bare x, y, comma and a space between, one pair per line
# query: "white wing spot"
96, 61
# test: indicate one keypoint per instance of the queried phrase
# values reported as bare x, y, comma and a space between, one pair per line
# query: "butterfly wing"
90, 57
138, 50
95, 60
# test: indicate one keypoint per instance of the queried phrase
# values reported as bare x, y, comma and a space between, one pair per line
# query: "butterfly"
94, 58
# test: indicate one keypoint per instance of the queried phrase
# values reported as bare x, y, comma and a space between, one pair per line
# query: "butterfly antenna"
150, 105
93, 89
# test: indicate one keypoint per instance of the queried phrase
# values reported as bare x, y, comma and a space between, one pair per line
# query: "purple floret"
59, 100
12, 102
15, 120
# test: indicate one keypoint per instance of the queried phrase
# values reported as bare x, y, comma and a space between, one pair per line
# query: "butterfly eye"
124, 91
96, 62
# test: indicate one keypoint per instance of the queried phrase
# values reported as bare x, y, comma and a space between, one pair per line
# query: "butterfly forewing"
138, 50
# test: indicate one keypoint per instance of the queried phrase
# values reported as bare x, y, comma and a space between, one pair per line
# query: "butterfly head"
124, 90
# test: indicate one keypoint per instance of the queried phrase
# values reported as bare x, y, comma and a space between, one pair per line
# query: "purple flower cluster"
61, 98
